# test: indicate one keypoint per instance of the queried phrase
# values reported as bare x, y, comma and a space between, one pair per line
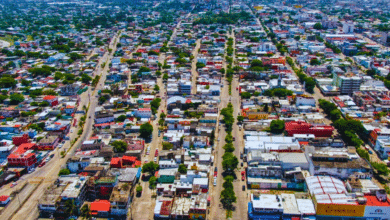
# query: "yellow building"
257, 115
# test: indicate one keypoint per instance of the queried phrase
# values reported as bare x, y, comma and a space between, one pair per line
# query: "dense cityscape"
188, 109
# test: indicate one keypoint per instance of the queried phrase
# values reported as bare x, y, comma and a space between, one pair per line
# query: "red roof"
100, 206
49, 97
3, 198
373, 201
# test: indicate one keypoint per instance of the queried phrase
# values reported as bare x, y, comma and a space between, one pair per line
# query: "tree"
256, 62
86, 79
102, 99
121, 118
381, 168
7, 82
200, 65
16, 98
277, 126
85, 212
182, 169
165, 76
228, 197
138, 189
64, 172
150, 168
246, 95
156, 88
317, 26
229, 162
119, 146
265, 109
152, 182
70, 207
146, 130
315, 62
240, 118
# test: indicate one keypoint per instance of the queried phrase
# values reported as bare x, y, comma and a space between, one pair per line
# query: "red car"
42, 164
156, 153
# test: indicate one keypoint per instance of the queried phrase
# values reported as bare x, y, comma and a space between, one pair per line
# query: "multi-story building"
338, 162
347, 83
382, 147
23, 156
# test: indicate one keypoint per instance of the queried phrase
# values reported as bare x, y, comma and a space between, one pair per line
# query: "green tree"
277, 126
64, 172
16, 98
182, 169
240, 118
381, 168
315, 62
146, 130
156, 88
138, 189
317, 26
153, 182
229, 162
150, 168
165, 76
246, 95
70, 207
228, 197
121, 118
119, 146
85, 212
7, 82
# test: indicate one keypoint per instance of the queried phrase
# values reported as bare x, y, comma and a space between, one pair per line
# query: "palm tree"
70, 207
85, 212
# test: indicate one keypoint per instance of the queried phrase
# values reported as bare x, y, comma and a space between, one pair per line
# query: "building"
70, 89
51, 99
48, 143
333, 202
143, 113
271, 143
348, 84
300, 127
66, 189
23, 156
185, 87
382, 147
21, 139
338, 162
100, 208
284, 206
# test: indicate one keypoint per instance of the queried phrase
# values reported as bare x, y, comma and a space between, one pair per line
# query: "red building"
23, 156
301, 127
51, 99
22, 139
100, 208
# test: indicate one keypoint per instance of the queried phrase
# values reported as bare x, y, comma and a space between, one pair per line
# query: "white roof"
200, 181
306, 206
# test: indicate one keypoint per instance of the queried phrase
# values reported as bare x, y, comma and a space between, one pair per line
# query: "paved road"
194, 72
142, 207
50, 171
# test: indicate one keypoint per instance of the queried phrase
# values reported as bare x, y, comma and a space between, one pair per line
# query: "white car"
215, 181
155, 159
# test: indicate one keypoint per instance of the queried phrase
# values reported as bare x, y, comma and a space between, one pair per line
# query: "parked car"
14, 184
215, 181
156, 153
42, 164
243, 187
370, 151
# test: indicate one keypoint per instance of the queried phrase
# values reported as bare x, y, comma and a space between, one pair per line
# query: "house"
51, 99
48, 143
23, 156
70, 89
300, 127
120, 198
143, 113
100, 208
22, 139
